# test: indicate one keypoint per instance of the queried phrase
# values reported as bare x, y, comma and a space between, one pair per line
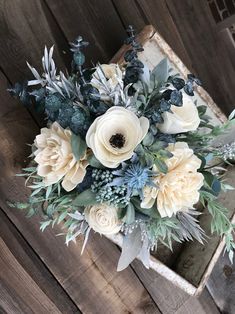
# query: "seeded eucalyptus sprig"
134, 65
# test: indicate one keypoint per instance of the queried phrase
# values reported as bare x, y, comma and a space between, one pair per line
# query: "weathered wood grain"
25, 28
202, 305
91, 280
169, 298
158, 14
34, 267
221, 284
209, 58
19, 293
97, 21
136, 18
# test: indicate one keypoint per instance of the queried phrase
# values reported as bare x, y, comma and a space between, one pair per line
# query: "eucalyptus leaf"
78, 146
148, 139
160, 72
212, 182
158, 145
95, 163
131, 247
161, 165
85, 198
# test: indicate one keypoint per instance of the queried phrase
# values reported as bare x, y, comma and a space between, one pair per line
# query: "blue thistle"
134, 176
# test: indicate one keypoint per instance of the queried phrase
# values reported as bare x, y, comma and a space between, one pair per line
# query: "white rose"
183, 119
178, 190
55, 158
103, 218
114, 135
109, 72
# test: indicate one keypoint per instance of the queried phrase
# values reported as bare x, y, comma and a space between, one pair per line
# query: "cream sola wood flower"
103, 218
55, 158
178, 189
114, 135
181, 119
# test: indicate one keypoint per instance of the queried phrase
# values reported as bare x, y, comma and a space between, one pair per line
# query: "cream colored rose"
114, 135
55, 158
182, 119
109, 72
103, 218
178, 190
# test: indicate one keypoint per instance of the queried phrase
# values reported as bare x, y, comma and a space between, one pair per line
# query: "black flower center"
117, 140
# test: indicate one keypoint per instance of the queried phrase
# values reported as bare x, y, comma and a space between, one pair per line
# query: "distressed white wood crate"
191, 264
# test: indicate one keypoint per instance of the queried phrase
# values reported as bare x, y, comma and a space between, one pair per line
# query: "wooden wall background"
38, 273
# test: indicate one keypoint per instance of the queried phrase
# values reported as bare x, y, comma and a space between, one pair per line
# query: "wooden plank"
19, 293
34, 267
91, 280
168, 298
157, 13
202, 305
96, 20
171, 300
221, 284
209, 59
25, 28
136, 18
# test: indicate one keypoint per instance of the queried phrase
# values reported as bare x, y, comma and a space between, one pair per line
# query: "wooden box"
191, 263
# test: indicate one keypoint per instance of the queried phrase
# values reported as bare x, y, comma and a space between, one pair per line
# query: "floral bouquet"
126, 150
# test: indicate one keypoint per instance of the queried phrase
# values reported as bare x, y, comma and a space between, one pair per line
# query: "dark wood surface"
38, 273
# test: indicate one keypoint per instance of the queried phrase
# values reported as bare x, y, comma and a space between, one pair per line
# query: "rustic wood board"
19, 293
35, 269
221, 285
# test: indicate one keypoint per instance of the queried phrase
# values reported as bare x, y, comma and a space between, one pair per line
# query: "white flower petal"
117, 121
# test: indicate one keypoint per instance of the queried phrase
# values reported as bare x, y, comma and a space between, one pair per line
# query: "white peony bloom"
114, 135
178, 190
103, 218
183, 119
55, 158
112, 75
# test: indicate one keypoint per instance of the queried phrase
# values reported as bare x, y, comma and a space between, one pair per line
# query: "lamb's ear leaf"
78, 146
131, 247
85, 198
144, 254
